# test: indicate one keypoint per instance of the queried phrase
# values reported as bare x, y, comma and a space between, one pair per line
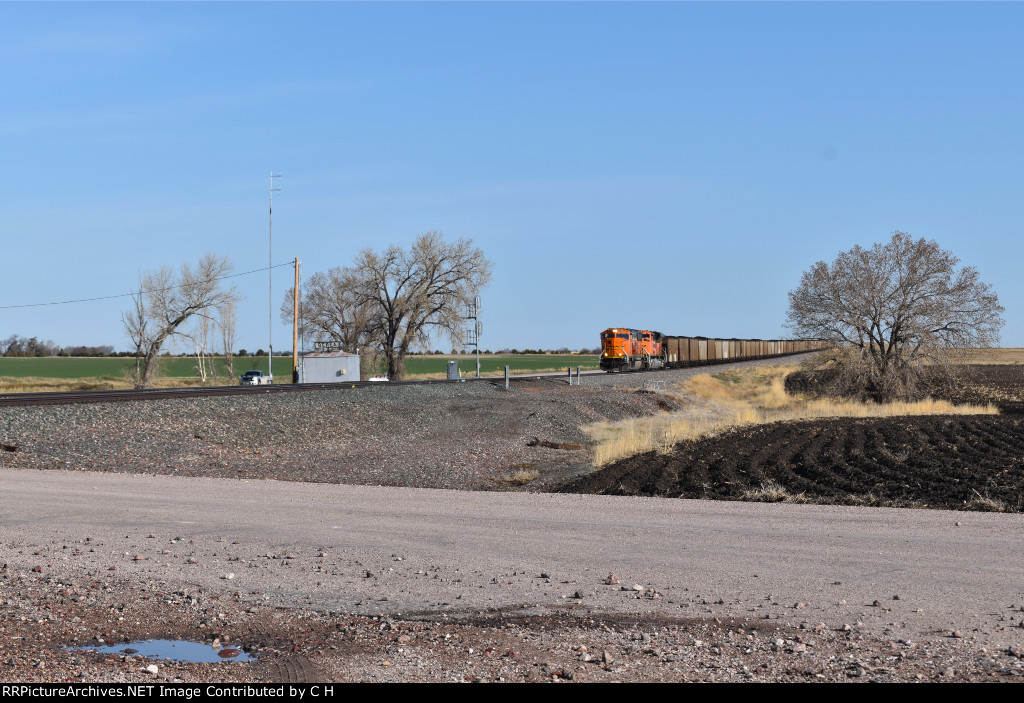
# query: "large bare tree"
393, 301
328, 309
902, 315
414, 293
165, 301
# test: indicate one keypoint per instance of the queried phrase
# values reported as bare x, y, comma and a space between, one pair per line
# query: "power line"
128, 295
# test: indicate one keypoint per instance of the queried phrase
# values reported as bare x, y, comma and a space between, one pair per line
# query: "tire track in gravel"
295, 668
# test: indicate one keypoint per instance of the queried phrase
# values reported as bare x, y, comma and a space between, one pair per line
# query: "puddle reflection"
177, 650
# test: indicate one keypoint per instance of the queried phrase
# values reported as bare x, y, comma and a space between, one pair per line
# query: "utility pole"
270, 277
295, 326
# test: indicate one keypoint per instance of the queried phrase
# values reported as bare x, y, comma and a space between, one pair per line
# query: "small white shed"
328, 367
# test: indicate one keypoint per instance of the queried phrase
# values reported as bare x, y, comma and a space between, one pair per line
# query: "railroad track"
115, 396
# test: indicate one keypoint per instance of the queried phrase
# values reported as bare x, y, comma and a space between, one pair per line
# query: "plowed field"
954, 462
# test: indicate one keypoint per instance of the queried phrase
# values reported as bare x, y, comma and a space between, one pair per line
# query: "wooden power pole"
295, 326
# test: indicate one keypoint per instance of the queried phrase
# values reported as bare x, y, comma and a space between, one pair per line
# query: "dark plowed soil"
1001, 385
955, 462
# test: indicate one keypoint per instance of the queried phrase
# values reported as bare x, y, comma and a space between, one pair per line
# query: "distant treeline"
562, 351
33, 346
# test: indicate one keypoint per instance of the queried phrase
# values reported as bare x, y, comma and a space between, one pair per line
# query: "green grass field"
102, 367
112, 370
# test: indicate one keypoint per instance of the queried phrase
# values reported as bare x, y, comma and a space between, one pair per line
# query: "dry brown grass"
997, 355
772, 492
987, 504
33, 384
522, 477
741, 398
519, 478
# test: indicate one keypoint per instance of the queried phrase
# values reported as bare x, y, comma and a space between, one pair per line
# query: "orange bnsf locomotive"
639, 350
632, 350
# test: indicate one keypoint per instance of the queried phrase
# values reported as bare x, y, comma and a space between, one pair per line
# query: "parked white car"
255, 378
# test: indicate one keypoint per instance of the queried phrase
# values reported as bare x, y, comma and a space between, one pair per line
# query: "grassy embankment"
720, 402
21, 374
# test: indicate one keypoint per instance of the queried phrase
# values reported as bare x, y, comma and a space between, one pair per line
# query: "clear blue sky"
666, 166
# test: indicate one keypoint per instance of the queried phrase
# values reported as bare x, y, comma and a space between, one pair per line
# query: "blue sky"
671, 166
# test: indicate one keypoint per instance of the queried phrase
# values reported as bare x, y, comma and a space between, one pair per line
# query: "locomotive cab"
628, 350
616, 349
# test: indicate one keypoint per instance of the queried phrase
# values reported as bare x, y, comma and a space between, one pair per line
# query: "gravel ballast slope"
473, 435
466, 436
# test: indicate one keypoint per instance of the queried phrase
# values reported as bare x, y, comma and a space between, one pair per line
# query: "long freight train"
638, 350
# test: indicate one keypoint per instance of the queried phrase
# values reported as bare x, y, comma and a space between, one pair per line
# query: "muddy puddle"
176, 650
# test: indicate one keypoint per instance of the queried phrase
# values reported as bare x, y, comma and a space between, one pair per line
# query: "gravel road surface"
436, 556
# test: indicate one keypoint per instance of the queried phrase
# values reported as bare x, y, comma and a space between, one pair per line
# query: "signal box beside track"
328, 367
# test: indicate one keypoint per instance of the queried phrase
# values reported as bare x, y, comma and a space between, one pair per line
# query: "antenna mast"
270, 277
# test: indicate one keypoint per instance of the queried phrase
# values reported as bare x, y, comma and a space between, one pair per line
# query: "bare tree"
165, 301
328, 307
228, 318
391, 302
411, 294
200, 339
902, 316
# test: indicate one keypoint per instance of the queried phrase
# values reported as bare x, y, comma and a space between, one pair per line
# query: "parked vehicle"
255, 378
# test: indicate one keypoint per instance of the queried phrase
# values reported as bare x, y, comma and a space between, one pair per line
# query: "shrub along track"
954, 462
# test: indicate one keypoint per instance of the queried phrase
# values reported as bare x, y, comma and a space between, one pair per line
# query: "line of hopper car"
639, 350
